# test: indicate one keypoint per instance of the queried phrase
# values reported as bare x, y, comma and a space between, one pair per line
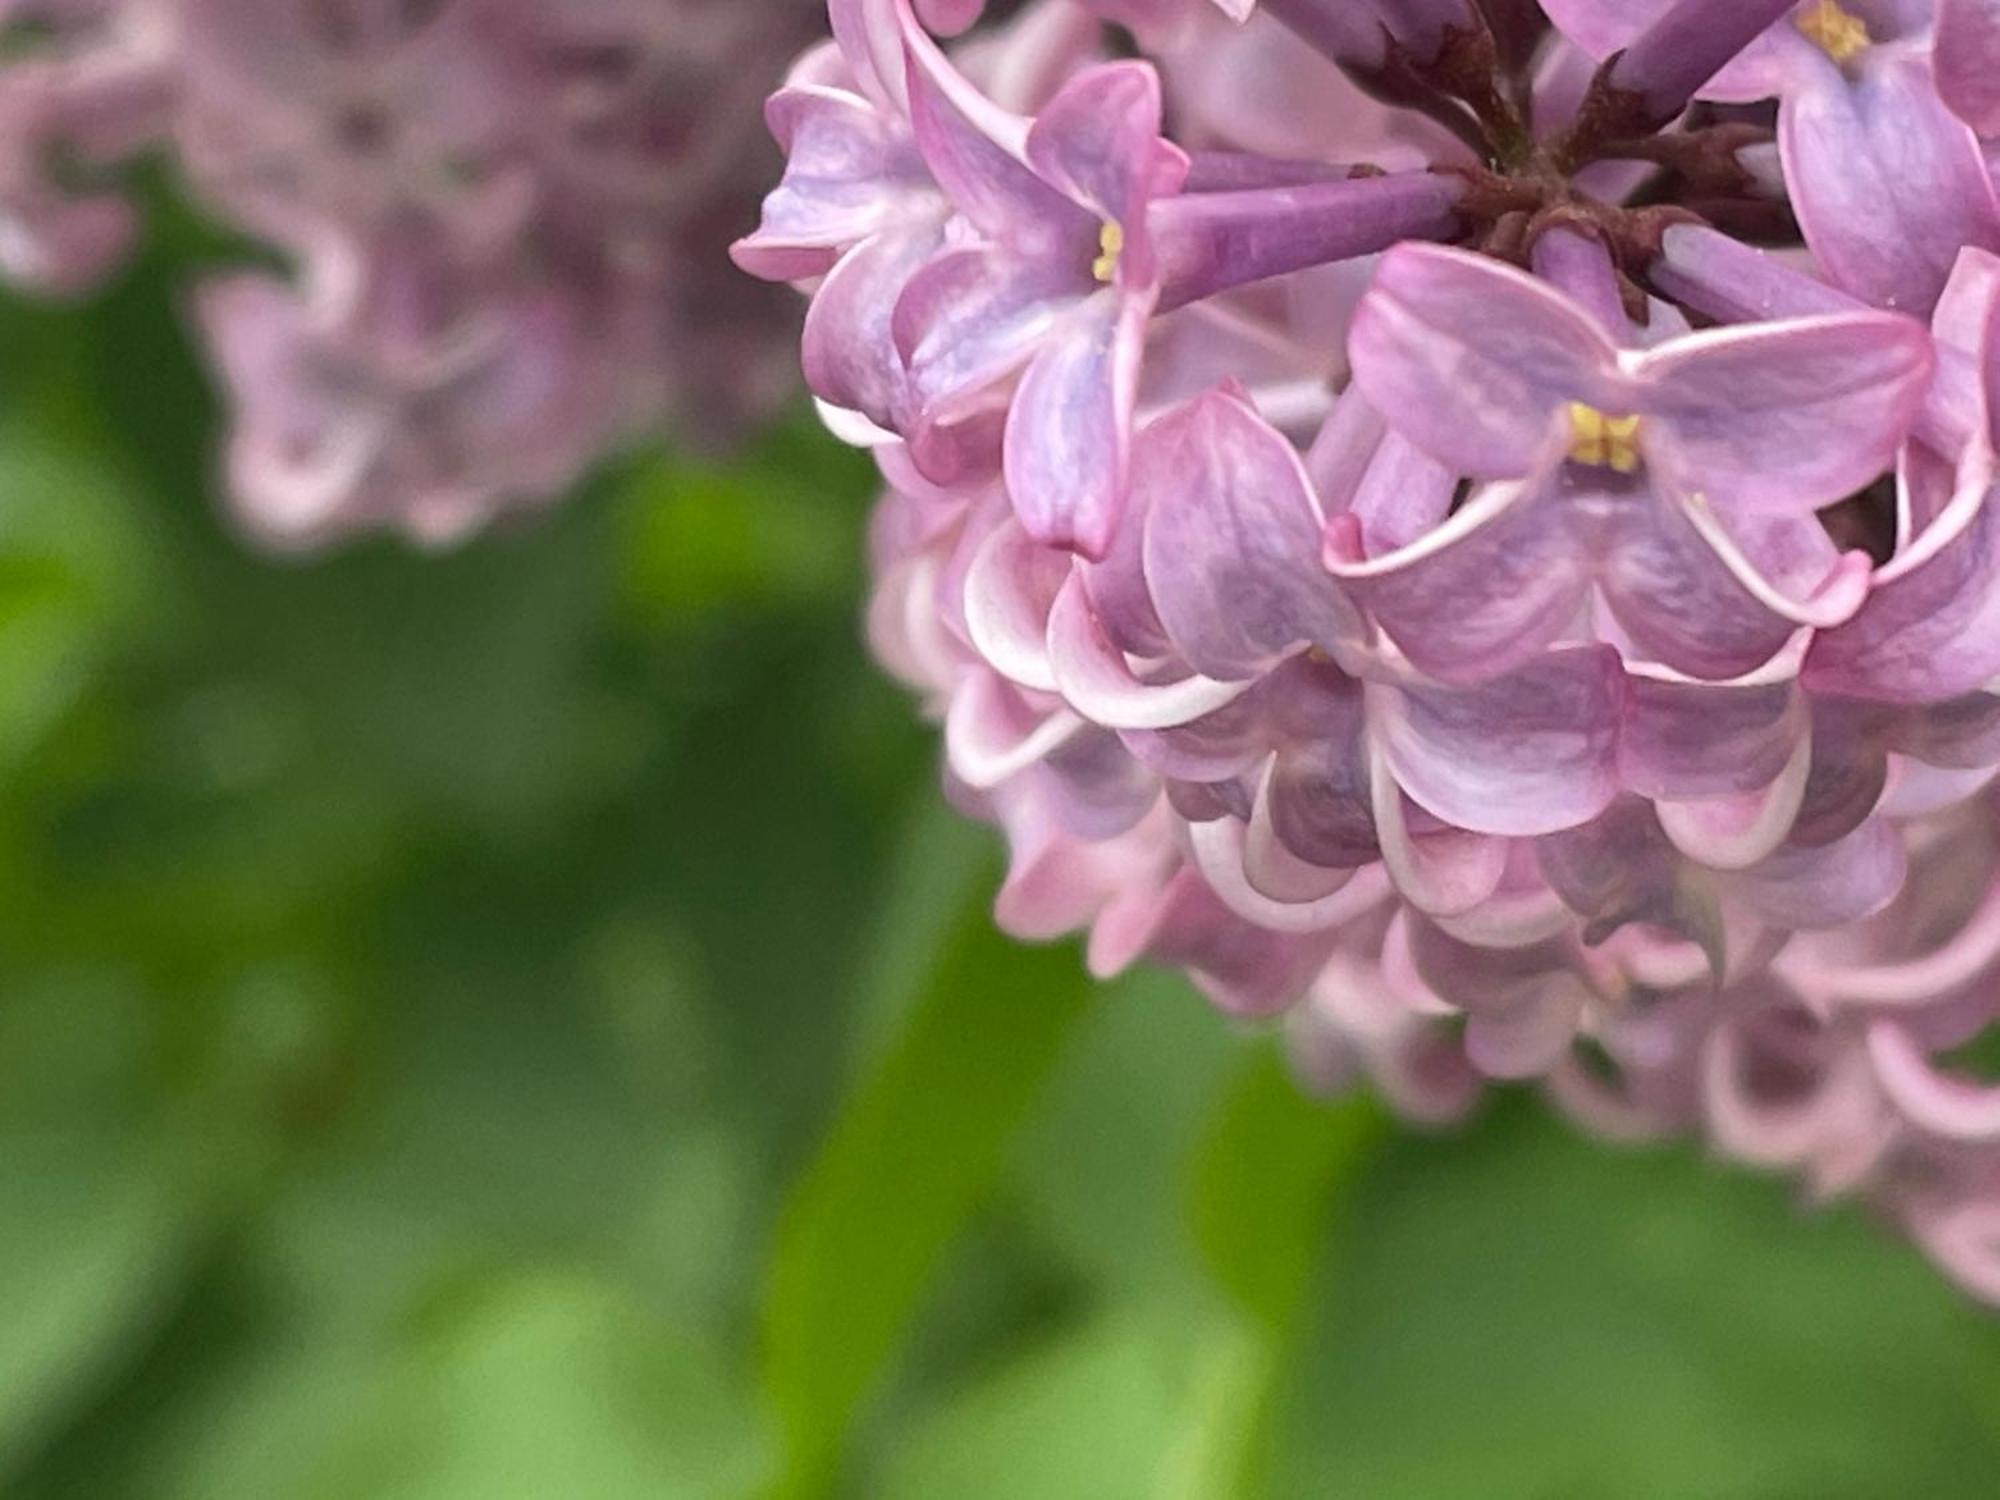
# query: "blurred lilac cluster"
500, 223
1466, 524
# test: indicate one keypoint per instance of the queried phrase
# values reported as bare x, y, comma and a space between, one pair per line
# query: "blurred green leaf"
1094, 1414
917, 1147
536, 1385
1097, 1170
68, 579
774, 530
1265, 1176
95, 1233
1525, 1313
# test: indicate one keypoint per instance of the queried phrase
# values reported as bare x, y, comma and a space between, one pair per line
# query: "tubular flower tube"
1500, 572
500, 227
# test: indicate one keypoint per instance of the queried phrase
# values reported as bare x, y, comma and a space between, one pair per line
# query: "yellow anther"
1601, 441
1111, 240
1836, 31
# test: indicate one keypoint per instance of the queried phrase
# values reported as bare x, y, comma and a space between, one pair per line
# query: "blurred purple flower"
502, 220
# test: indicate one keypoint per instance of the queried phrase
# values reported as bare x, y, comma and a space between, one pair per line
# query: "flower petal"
1481, 594
1784, 416
1529, 753
1886, 182
1474, 361
1069, 430
1098, 681
1232, 545
1966, 61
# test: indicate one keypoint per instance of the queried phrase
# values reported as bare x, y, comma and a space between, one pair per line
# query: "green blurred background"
521, 1023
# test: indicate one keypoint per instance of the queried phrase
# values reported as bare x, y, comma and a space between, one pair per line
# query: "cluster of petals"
495, 228
1399, 552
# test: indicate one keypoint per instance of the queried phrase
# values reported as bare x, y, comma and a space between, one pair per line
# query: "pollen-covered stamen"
1603, 442
1111, 244
1836, 31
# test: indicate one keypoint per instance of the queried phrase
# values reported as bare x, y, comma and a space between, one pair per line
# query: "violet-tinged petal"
1098, 141
1688, 594
1852, 878
1096, 790
1736, 830
848, 175
1232, 544
1930, 628
1069, 430
974, 149
1684, 740
1274, 867
1481, 594
1218, 849
845, 351
1096, 678
1476, 362
1620, 868
1784, 416
992, 733
1530, 753
1966, 61
1395, 491
1886, 182
1442, 871
1318, 800
971, 318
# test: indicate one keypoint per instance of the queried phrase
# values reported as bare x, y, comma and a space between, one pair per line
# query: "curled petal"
974, 149
1009, 590
1854, 877
1530, 753
992, 734
1232, 545
1930, 628
1737, 830
1929, 1099
1481, 594
1442, 871
1096, 678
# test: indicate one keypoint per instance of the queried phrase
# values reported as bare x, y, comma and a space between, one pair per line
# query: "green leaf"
1527, 1313
1271, 1163
68, 580
1096, 1171
94, 1237
533, 1385
915, 1152
1094, 1414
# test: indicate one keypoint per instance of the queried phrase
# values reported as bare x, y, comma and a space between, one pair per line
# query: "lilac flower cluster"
500, 225
1483, 543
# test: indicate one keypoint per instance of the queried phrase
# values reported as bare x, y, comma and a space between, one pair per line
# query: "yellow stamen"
1601, 441
1111, 240
1837, 32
